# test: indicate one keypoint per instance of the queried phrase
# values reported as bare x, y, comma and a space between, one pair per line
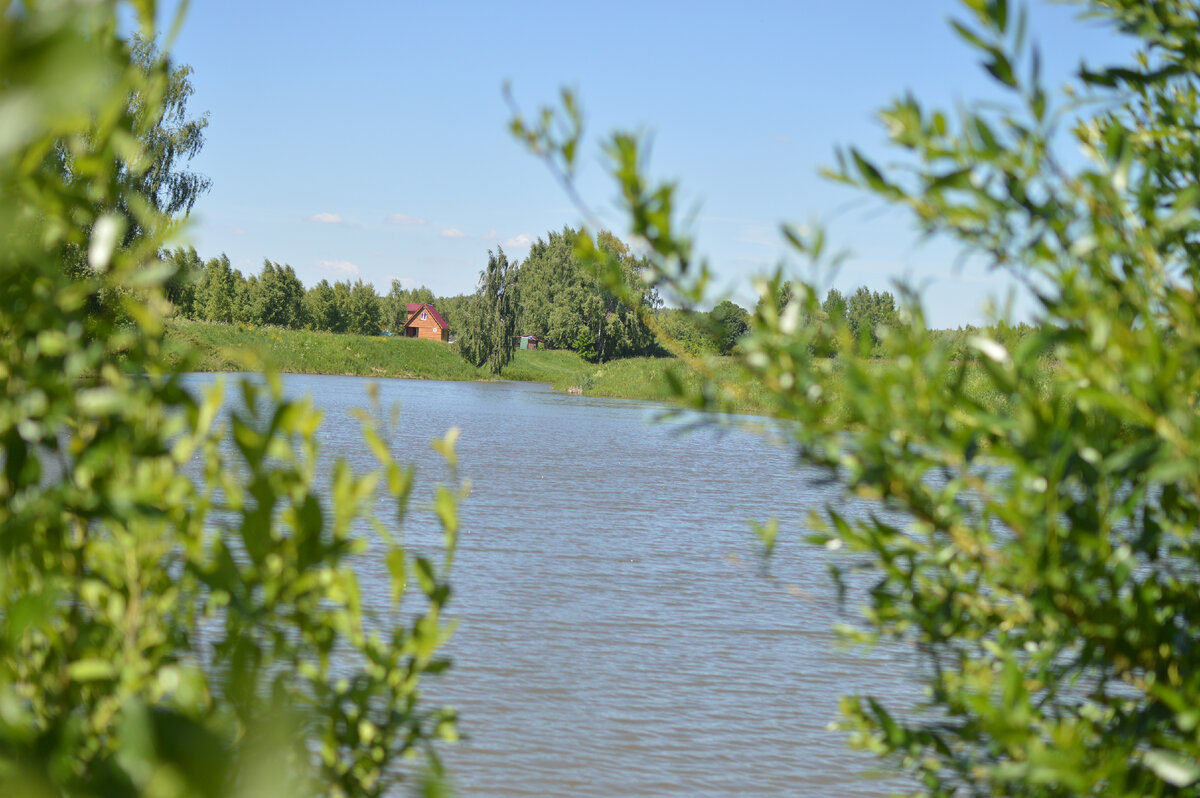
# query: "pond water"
617, 632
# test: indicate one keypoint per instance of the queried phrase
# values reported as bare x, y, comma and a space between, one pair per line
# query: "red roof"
415, 307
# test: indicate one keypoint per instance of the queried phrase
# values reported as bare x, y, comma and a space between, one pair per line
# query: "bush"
175, 603
1047, 570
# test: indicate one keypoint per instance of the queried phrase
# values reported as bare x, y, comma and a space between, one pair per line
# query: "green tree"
488, 332
395, 304
689, 329
729, 322
585, 344
245, 298
183, 285
835, 306
363, 310
216, 295
279, 298
551, 291
868, 312
1043, 562
453, 309
781, 294
321, 308
169, 139
181, 615
341, 301
560, 297
621, 330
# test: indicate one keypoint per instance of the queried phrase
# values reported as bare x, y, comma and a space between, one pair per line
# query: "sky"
370, 139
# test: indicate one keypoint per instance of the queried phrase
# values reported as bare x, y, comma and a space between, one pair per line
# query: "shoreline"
231, 348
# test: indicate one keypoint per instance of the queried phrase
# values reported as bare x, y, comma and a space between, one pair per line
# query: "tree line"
215, 291
554, 296
551, 294
569, 305
718, 331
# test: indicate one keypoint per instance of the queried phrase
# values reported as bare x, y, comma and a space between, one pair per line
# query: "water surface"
617, 634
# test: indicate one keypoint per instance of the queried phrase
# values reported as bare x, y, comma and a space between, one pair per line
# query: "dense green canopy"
564, 302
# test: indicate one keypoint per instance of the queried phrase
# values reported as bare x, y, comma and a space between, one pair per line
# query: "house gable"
424, 321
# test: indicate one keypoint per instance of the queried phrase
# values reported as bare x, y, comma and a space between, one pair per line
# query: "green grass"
232, 347
560, 368
229, 347
632, 378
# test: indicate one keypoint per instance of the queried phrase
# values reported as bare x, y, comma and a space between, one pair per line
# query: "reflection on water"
617, 635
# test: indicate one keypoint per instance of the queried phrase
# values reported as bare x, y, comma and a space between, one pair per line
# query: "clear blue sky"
369, 139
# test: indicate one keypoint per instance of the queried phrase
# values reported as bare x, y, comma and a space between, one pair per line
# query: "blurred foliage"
180, 614
729, 322
1037, 553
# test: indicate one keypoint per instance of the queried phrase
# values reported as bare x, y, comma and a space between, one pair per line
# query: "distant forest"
556, 298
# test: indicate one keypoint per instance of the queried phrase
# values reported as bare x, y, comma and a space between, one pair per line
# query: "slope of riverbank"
231, 347
234, 347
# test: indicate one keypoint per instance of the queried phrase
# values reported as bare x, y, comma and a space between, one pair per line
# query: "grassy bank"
226, 347
646, 378
560, 368
650, 378
230, 347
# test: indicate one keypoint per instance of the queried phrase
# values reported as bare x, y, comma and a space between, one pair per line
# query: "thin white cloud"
522, 240
452, 232
339, 267
404, 220
326, 218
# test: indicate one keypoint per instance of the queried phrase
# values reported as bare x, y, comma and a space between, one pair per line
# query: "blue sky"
369, 139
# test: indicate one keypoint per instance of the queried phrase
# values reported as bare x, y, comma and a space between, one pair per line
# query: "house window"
424, 315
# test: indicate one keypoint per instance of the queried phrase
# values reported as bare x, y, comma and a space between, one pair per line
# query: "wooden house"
425, 322
530, 342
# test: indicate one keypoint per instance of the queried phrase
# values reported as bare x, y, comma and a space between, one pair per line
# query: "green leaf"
869, 172
766, 534
1001, 69
968, 35
956, 179
91, 670
997, 11
397, 568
